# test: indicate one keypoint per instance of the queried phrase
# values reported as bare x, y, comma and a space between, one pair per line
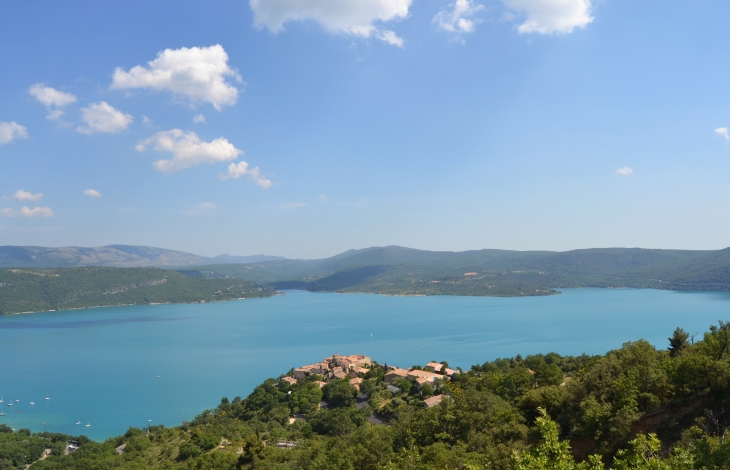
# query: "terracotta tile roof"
433, 401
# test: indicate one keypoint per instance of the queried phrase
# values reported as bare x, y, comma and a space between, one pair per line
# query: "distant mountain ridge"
405, 271
121, 256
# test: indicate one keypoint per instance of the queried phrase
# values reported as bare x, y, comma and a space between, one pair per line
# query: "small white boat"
47, 398
32, 403
88, 425
17, 401
10, 403
78, 422
2, 414
1, 399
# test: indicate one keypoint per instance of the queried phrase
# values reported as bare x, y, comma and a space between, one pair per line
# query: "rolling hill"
112, 255
405, 271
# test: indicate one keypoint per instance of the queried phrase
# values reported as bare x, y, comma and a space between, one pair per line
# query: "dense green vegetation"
403, 271
634, 408
33, 290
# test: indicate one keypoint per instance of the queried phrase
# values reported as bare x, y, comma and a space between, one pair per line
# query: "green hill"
405, 271
34, 290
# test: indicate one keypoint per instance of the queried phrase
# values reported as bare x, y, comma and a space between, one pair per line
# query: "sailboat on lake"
47, 398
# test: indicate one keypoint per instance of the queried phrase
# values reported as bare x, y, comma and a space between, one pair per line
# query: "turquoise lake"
101, 366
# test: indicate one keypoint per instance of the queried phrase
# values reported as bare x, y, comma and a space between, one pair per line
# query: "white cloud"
92, 193
146, 121
27, 212
188, 150
625, 171
355, 17
199, 73
21, 195
101, 117
236, 170
723, 132
390, 37
199, 118
55, 114
552, 16
10, 131
205, 208
50, 96
457, 18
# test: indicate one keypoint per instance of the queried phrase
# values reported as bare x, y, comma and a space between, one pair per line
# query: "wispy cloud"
723, 132
204, 208
236, 170
457, 17
625, 171
92, 193
21, 195
27, 212
51, 98
199, 119
10, 131
362, 202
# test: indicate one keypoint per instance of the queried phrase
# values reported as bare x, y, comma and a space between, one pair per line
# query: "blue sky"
304, 128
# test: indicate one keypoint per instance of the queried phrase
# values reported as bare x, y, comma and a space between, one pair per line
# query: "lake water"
101, 366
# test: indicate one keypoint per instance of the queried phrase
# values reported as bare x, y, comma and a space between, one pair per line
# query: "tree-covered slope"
404, 271
33, 290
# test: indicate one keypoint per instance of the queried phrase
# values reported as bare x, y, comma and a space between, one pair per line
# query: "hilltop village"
369, 384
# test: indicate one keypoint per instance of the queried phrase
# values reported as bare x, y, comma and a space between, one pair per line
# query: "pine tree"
678, 342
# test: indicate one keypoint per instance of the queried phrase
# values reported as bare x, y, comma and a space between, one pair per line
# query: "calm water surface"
101, 366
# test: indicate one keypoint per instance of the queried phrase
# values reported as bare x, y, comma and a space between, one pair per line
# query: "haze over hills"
407, 271
112, 256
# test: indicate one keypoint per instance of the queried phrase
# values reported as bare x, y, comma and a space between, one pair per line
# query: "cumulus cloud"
552, 16
236, 170
101, 117
27, 212
198, 73
187, 150
355, 17
625, 171
92, 193
21, 195
723, 132
10, 131
205, 208
199, 118
50, 97
456, 17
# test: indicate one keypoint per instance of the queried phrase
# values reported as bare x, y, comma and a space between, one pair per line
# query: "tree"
551, 453
678, 342
339, 393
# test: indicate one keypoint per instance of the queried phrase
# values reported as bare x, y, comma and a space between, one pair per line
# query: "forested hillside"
404, 271
634, 408
35, 290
